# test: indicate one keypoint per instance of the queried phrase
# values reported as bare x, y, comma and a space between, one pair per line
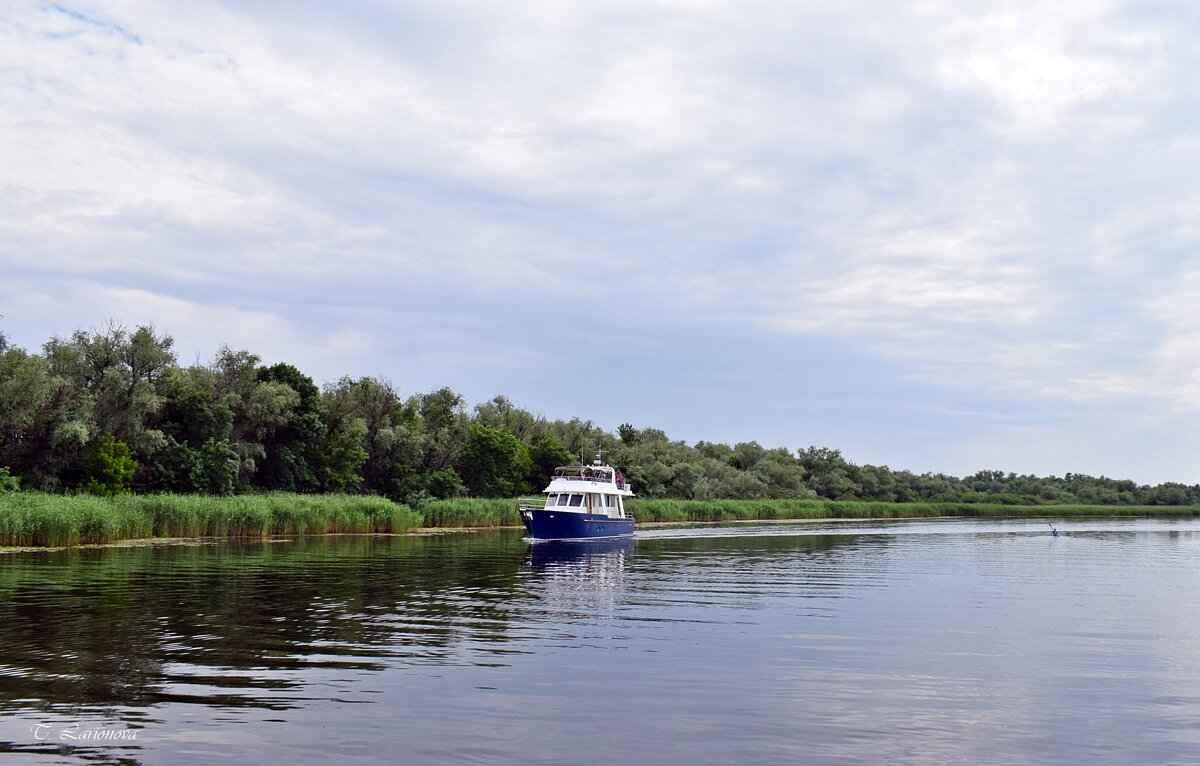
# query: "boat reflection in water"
578, 579
579, 556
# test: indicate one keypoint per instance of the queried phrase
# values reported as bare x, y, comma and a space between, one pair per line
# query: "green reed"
471, 512
735, 510
38, 519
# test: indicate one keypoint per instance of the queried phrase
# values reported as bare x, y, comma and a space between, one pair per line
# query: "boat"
581, 502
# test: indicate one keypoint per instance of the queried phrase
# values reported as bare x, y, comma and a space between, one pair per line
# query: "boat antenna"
599, 454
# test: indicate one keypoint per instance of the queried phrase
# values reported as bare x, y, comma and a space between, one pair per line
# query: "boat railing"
620, 483
534, 503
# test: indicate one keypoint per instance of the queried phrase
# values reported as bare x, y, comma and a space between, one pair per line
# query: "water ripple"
849, 642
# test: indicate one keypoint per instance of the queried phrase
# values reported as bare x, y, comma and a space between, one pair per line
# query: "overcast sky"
940, 236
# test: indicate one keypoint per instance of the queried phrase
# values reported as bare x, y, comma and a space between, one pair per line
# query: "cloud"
991, 203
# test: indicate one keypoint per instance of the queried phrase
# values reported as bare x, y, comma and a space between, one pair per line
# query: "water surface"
905, 642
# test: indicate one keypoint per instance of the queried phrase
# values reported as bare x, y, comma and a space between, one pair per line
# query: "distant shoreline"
41, 521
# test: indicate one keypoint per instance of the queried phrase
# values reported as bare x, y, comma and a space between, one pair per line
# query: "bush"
108, 468
8, 482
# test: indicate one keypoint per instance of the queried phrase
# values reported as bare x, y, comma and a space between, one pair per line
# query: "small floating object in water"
1053, 531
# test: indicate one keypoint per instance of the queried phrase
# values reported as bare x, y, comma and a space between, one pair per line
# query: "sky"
938, 236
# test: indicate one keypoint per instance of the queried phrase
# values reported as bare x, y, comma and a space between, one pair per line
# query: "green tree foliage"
344, 450
443, 429
218, 465
494, 463
26, 395
391, 438
829, 475
172, 469
1170, 494
121, 376
196, 425
191, 413
211, 468
444, 483
287, 407
232, 378
545, 454
8, 482
500, 413
629, 435
236, 425
108, 467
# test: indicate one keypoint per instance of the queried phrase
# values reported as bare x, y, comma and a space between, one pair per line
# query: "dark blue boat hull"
558, 525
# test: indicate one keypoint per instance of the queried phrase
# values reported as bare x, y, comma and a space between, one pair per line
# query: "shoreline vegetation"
105, 437
39, 519
110, 411
45, 520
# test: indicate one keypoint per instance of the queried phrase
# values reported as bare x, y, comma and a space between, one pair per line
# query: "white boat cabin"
596, 489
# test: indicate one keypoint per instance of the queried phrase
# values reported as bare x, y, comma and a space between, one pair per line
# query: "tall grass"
38, 519
468, 512
732, 510
471, 512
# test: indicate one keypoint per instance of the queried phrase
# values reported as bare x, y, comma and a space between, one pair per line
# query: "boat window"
562, 499
576, 501
550, 499
610, 501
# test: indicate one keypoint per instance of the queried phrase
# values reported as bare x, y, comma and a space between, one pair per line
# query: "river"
909, 642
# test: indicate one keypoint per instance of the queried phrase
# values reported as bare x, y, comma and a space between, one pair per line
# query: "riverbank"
39, 520
465, 512
43, 520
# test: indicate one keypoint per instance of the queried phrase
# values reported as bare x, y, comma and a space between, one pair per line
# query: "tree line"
111, 410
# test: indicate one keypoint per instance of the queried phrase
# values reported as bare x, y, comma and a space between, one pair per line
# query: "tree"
628, 434
1170, 493
781, 474
26, 390
345, 449
545, 454
828, 473
500, 413
108, 467
287, 406
173, 468
45, 421
217, 468
444, 483
191, 414
494, 463
122, 373
443, 424
231, 379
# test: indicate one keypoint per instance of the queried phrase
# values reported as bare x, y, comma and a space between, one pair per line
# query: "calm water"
908, 642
